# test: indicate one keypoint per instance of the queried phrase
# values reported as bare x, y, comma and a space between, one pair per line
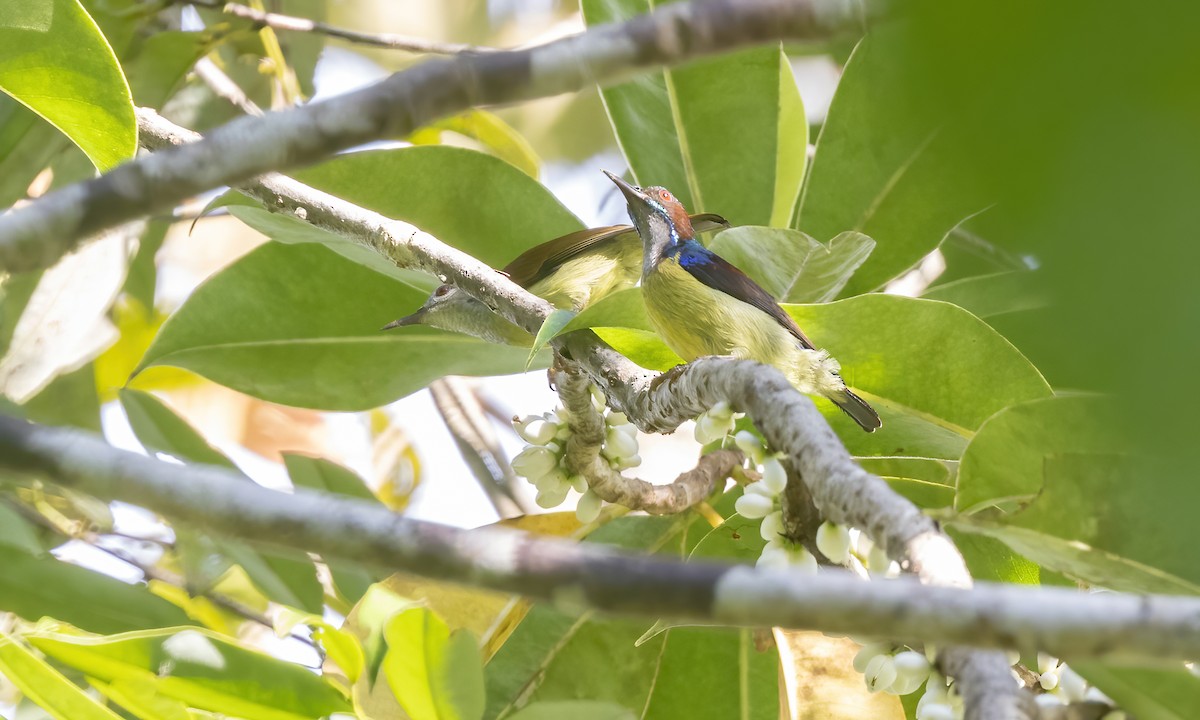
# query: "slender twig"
37, 234
290, 23
224, 87
1065, 623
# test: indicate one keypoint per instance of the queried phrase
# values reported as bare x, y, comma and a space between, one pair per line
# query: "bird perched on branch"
702, 305
572, 272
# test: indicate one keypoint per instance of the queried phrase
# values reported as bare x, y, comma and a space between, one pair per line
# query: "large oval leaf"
881, 166
725, 134
932, 370
47, 687
55, 61
473, 201
299, 325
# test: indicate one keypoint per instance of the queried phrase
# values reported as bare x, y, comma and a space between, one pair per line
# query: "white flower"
749, 444
754, 506
878, 560
912, 669
628, 462
1049, 700
1048, 680
880, 673
1071, 684
1047, 663
710, 429
772, 526
774, 557
536, 430
589, 506
1094, 694
552, 498
834, 542
619, 445
867, 653
552, 481
534, 461
615, 419
802, 561
1012, 656
860, 543
935, 711
757, 488
578, 483
721, 411
774, 477
598, 399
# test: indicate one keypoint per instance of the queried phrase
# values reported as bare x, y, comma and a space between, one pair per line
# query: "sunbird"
700, 305
572, 272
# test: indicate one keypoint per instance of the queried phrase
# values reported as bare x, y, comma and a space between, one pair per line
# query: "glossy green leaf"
725, 134
1006, 459
1110, 520
36, 586
158, 64
434, 674
496, 136
932, 370
881, 167
70, 400
141, 699
997, 294
471, 200
574, 709
551, 327
201, 668
55, 61
350, 579
927, 482
16, 533
990, 560
289, 578
1145, 693
299, 325
47, 687
792, 266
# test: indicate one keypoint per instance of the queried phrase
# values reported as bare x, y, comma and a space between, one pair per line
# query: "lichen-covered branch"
1063, 622
587, 438
37, 234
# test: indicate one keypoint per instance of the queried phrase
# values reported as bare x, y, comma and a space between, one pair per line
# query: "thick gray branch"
1065, 623
39, 233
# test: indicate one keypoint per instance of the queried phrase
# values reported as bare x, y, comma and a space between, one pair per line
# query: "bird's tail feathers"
858, 410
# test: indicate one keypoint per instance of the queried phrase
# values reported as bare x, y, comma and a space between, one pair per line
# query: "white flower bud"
1047, 663
867, 653
935, 711
772, 526
880, 673
1071, 684
757, 488
578, 483
552, 498
860, 543
749, 443
911, 663
534, 461
721, 411
1048, 680
878, 560
802, 561
598, 399
1012, 656
834, 542
774, 557
619, 445
774, 477
1049, 700
754, 506
588, 508
1094, 694
614, 419
628, 462
563, 433
552, 481
936, 690
537, 431
710, 429
905, 684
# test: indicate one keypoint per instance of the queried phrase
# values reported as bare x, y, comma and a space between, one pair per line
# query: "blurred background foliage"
984, 210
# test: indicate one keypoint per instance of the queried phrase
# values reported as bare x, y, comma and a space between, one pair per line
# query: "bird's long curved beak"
413, 319
631, 193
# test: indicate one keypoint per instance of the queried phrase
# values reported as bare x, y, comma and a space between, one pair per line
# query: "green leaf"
1111, 520
932, 370
47, 687
69, 400
882, 166
471, 200
201, 668
350, 579
299, 325
574, 709
17, 533
142, 699
434, 674
1147, 694
55, 61
1006, 459
927, 482
792, 266
288, 578
725, 134
986, 296
496, 136
36, 586
160, 62
551, 328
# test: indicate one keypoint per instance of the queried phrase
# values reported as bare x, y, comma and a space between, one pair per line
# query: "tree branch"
840, 488
37, 234
391, 41
1065, 623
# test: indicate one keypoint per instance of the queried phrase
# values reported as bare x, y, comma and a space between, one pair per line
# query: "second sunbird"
702, 305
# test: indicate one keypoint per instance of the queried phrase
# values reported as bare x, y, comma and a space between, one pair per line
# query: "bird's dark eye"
441, 291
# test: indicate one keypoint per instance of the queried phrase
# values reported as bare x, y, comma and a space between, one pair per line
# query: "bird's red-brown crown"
674, 208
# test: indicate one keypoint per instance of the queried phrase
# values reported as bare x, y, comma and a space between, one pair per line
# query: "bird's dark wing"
707, 222
718, 274
538, 262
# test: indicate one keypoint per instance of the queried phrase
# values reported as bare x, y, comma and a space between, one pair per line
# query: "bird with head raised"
702, 305
572, 272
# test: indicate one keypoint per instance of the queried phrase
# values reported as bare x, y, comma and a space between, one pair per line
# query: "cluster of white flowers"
542, 462
715, 424
1063, 685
